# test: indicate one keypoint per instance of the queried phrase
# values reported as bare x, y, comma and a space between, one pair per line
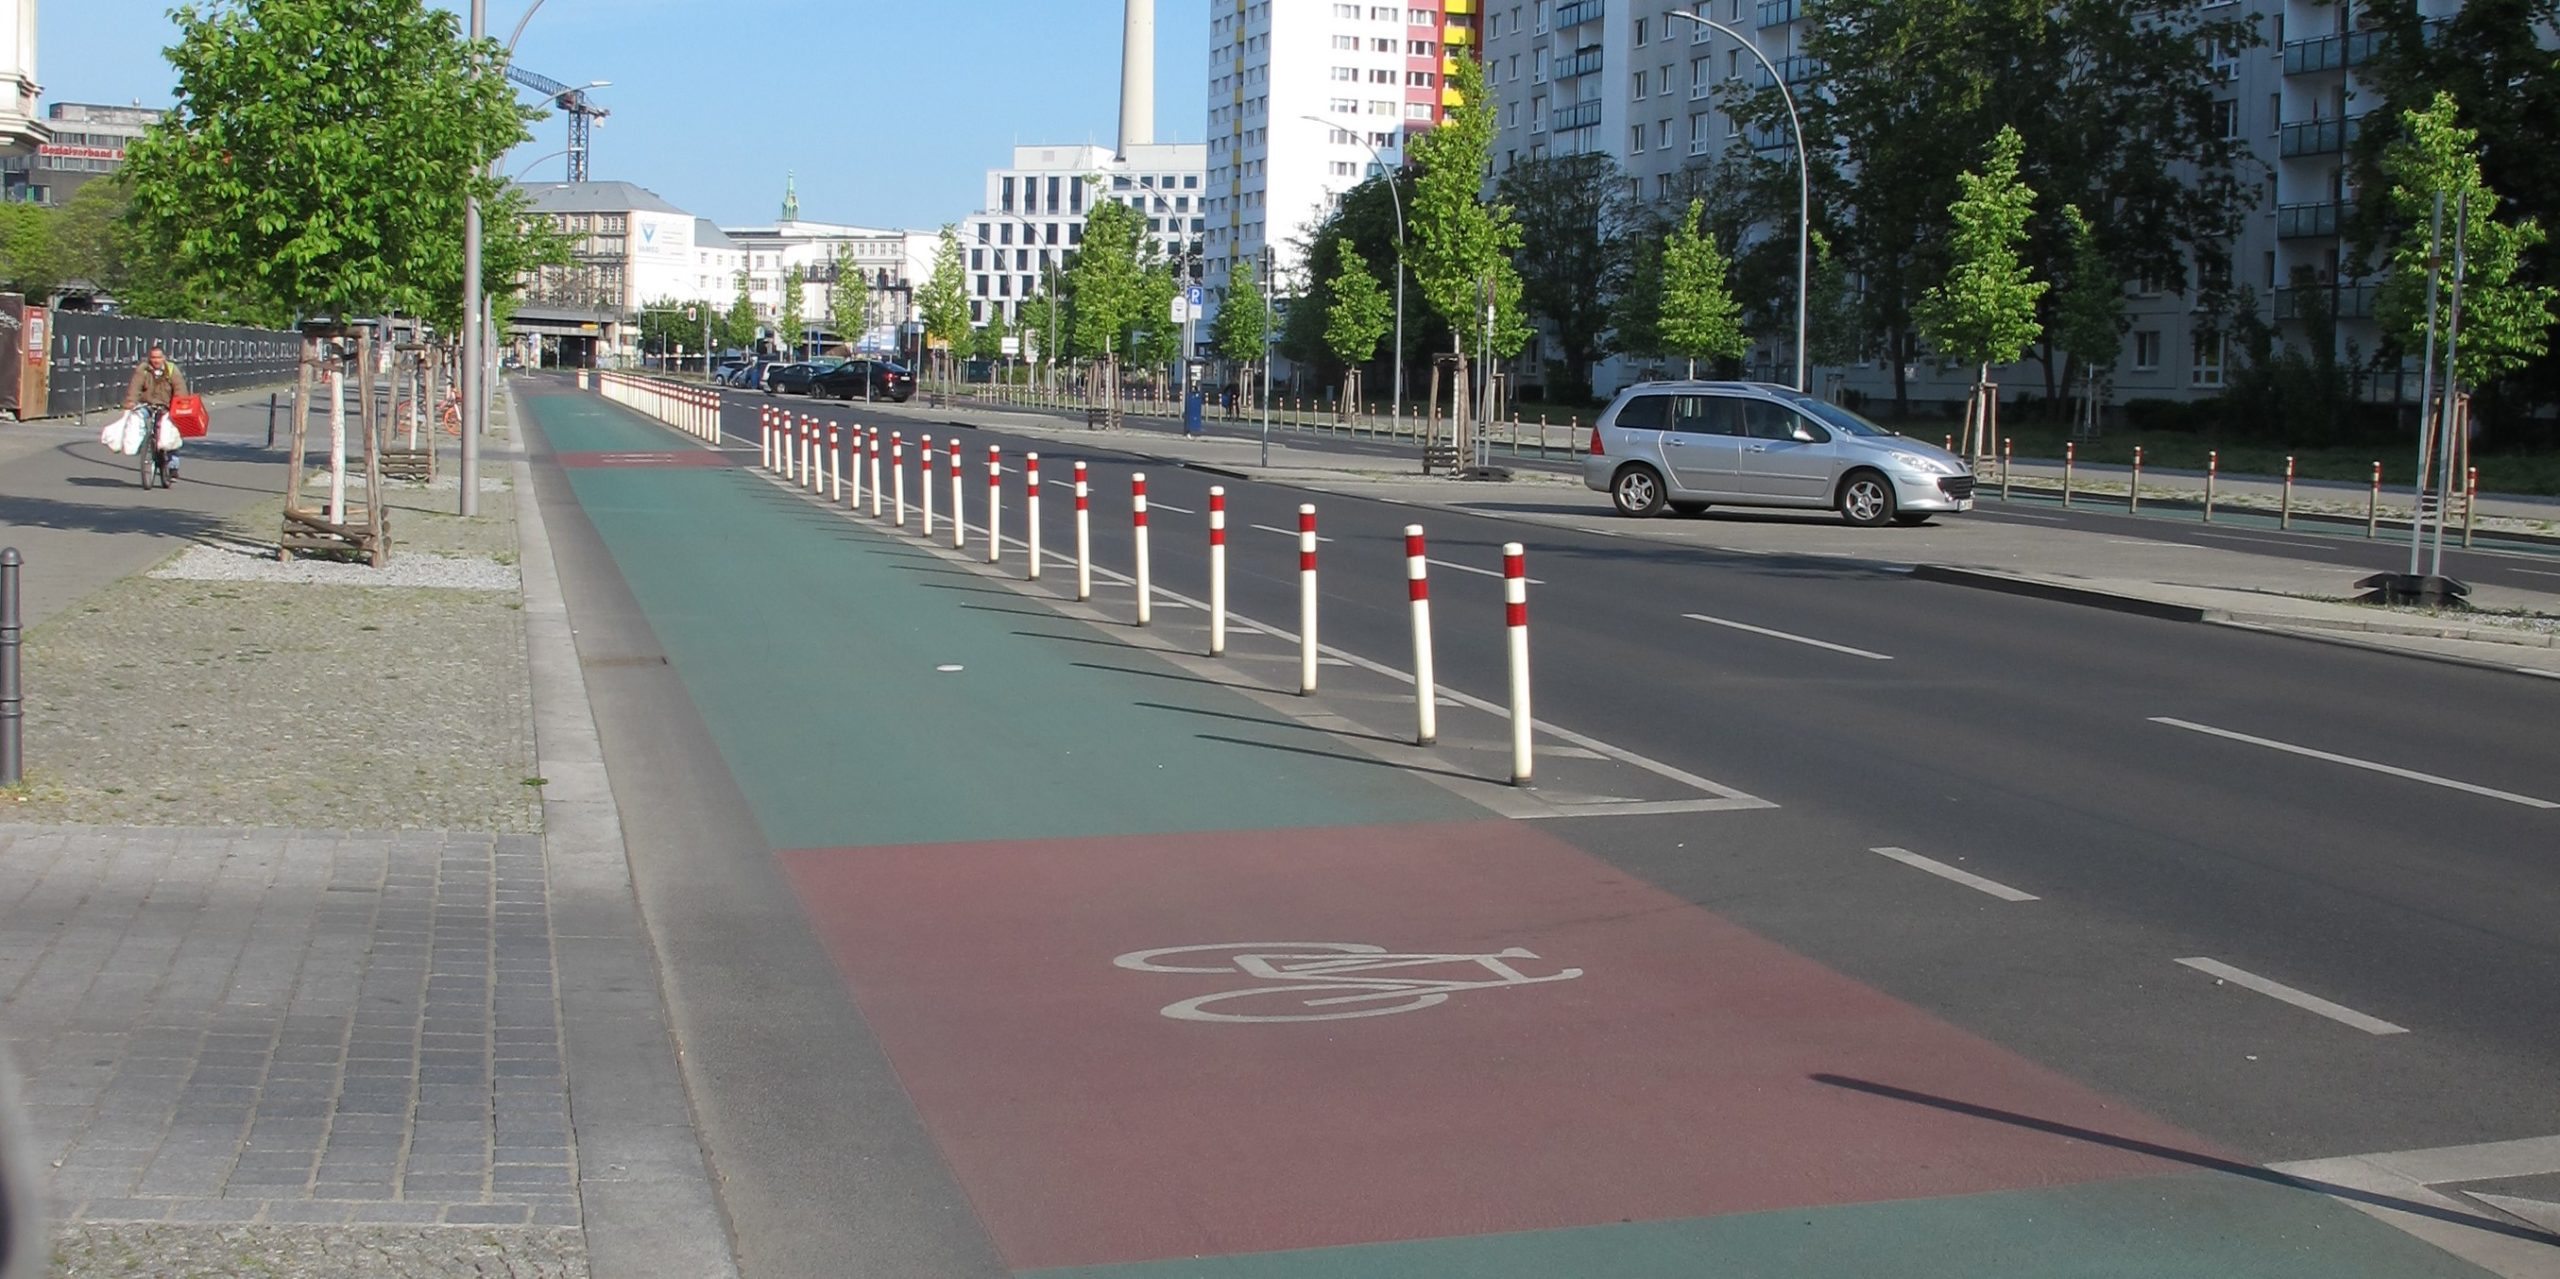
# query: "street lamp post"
475, 391
1396, 201
1804, 186
1049, 282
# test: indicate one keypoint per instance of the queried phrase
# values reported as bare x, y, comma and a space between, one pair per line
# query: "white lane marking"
2539, 572
1286, 532
2022, 515
2296, 542
1947, 872
2339, 1013
1480, 572
1168, 506
1797, 639
2144, 541
1600, 532
2352, 762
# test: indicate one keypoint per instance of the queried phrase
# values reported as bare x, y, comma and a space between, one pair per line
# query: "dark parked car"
792, 378
847, 381
749, 375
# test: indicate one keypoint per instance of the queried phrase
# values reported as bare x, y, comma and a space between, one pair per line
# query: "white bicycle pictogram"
1330, 980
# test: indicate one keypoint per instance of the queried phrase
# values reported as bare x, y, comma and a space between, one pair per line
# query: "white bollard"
1515, 602
1426, 694
835, 462
874, 433
1138, 526
924, 480
764, 434
995, 503
1084, 539
1031, 510
813, 474
1217, 570
898, 472
1306, 600
959, 499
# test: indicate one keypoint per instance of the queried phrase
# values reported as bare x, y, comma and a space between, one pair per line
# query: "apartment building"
1625, 78
891, 262
1307, 98
20, 130
1035, 212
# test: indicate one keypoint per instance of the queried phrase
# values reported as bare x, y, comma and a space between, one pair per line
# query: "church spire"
791, 196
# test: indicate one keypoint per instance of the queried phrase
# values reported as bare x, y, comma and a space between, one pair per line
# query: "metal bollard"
1138, 530
2470, 502
1217, 570
2212, 470
2284, 505
1031, 511
2008, 454
1426, 693
1084, 537
2070, 455
2133, 491
2373, 505
13, 741
1306, 600
1515, 602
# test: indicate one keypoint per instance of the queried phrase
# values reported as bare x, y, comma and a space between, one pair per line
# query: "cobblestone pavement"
320, 705
287, 1027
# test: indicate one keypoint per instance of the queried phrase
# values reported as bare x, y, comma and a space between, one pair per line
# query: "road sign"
1192, 296
1180, 311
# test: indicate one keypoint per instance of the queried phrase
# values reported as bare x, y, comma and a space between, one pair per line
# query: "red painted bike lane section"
1163, 1046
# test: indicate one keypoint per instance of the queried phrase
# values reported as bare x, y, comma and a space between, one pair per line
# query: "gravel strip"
245, 562
165, 1251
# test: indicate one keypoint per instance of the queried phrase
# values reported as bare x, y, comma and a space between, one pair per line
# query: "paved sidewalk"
2213, 585
306, 972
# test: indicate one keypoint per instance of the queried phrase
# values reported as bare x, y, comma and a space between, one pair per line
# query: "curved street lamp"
528, 165
1397, 201
1804, 185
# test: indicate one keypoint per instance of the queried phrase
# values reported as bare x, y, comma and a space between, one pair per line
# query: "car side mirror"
1804, 434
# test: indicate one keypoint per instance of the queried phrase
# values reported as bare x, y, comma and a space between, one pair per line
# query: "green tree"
1108, 284
1834, 328
738, 327
2121, 108
944, 300
1984, 311
794, 324
1155, 341
1241, 326
1360, 314
2088, 313
30, 255
1699, 318
1635, 308
2504, 320
1573, 212
988, 343
319, 154
849, 303
1041, 312
664, 326
1461, 243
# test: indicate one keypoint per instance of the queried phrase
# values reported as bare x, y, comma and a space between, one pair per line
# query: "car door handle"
1758, 448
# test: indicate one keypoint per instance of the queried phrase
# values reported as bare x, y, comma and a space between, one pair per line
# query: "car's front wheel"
1866, 499
1637, 491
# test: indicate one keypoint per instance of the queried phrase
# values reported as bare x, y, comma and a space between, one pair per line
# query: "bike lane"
1424, 1042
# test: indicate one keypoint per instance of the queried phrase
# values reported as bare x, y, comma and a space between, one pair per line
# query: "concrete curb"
2419, 630
2081, 595
644, 1187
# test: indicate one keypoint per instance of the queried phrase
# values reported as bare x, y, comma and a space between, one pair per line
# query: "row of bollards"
694, 410
13, 741
802, 452
2284, 501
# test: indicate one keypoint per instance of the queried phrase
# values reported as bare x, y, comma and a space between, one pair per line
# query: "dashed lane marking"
1951, 874
1286, 532
1797, 639
2352, 762
1480, 572
2304, 1000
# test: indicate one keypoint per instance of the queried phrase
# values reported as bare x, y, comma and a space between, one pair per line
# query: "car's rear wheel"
1689, 508
1866, 499
1637, 491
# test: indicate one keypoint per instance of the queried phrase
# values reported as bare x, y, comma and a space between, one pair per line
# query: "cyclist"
155, 383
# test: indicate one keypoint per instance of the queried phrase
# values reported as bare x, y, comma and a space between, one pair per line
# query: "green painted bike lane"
1060, 799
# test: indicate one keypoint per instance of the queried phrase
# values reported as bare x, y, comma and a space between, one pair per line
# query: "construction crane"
573, 103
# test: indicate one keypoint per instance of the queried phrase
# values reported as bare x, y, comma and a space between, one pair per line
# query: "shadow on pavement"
101, 517
2192, 1158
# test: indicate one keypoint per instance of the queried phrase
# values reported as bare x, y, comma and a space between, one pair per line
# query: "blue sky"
890, 112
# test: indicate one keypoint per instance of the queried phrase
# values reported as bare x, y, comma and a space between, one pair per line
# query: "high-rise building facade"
1035, 212
82, 142
1625, 78
20, 131
1306, 99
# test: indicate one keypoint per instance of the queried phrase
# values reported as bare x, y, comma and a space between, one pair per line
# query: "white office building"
893, 264
20, 130
1306, 99
1035, 212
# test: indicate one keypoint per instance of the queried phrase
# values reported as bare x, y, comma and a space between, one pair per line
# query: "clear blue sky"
891, 112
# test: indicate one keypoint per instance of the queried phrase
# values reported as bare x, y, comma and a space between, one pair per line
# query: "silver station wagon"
1691, 445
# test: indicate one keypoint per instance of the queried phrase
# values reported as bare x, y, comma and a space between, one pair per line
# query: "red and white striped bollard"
1306, 600
995, 503
1138, 527
1031, 512
898, 472
924, 481
959, 499
1217, 570
1515, 606
874, 433
835, 463
1426, 693
1084, 538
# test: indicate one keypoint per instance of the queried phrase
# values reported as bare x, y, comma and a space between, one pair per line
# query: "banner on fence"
60, 362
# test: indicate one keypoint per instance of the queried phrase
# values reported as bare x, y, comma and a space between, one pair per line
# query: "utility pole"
469, 479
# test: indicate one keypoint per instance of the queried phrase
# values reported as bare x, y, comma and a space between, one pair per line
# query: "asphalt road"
2021, 741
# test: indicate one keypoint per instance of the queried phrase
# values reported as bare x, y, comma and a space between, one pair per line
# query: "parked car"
1689, 445
748, 374
846, 381
789, 379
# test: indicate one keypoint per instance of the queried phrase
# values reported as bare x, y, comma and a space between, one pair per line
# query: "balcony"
1584, 61
1798, 68
1579, 115
1572, 15
2307, 221
2352, 301
1778, 13
2319, 137
2330, 53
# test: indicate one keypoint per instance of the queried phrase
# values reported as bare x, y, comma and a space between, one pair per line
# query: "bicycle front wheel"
142, 465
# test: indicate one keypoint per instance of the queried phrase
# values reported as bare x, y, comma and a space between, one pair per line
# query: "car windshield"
1836, 417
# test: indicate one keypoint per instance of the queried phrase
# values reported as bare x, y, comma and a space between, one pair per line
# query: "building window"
977, 259
1008, 195
2146, 350
1637, 90
1639, 40
2207, 369
1635, 140
2226, 118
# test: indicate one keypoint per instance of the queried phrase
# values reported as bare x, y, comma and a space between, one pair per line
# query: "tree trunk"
1897, 349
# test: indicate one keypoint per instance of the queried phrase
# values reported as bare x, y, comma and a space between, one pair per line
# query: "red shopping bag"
187, 413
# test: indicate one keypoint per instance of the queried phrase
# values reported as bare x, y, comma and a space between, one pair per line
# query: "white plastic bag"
131, 442
112, 434
170, 440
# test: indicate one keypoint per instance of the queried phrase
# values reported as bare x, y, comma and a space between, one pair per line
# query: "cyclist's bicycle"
151, 459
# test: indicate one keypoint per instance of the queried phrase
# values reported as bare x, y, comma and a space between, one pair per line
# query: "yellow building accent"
1458, 6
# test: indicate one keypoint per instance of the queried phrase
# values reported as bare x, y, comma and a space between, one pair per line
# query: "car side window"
1708, 415
1767, 421
1644, 413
